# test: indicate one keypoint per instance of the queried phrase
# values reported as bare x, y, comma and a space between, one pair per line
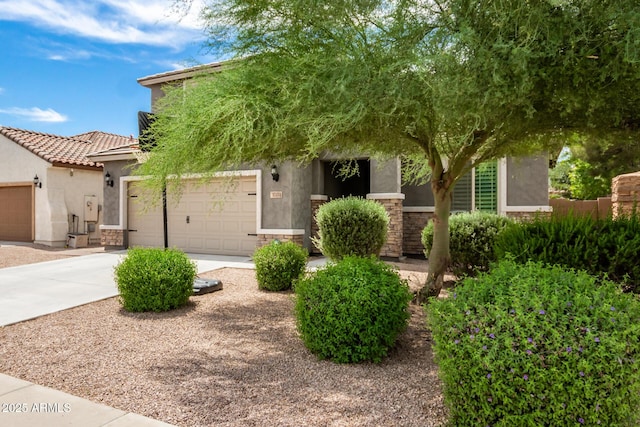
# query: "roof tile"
66, 150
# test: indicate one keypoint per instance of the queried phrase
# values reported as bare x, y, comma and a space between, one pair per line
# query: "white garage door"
216, 218
145, 225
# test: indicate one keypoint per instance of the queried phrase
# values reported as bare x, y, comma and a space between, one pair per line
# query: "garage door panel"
145, 222
232, 227
16, 213
231, 246
214, 227
248, 186
221, 218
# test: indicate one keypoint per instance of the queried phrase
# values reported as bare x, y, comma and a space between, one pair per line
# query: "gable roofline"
185, 73
125, 152
65, 151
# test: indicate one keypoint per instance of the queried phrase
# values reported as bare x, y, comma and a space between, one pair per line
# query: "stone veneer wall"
625, 194
393, 205
265, 239
112, 238
412, 224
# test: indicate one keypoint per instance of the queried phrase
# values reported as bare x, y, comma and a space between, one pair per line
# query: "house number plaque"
276, 194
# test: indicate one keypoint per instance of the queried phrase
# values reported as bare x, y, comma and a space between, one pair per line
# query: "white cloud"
150, 22
68, 55
36, 114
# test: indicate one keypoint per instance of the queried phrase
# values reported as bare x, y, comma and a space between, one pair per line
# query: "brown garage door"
16, 213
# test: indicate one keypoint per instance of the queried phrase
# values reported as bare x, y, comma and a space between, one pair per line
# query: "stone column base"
265, 239
112, 238
413, 224
392, 203
625, 194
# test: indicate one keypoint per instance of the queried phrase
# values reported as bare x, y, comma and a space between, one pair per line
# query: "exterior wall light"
108, 180
274, 173
36, 181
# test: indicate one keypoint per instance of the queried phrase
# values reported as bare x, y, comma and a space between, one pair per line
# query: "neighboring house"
261, 208
48, 186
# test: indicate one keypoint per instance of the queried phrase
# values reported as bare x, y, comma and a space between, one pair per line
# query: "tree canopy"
446, 84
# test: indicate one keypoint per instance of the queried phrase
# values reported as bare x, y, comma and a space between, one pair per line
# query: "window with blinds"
478, 191
486, 188
462, 195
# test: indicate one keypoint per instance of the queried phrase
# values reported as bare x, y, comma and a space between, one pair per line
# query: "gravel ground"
14, 254
229, 358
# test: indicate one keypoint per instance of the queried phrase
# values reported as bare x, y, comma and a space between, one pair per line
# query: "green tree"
576, 179
446, 84
585, 184
559, 179
605, 157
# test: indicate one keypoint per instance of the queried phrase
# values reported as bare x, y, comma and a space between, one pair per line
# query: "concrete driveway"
33, 290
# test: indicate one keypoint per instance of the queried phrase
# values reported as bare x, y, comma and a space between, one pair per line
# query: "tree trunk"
439, 256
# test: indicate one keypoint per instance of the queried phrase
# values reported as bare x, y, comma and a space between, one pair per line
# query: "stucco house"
48, 186
279, 201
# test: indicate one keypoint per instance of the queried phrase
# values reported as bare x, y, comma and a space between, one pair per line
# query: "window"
486, 187
477, 190
462, 195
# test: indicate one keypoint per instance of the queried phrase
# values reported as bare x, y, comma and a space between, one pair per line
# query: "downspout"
164, 217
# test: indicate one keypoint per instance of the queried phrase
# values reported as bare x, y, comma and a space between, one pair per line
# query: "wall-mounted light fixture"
36, 181
108, 180
274, 173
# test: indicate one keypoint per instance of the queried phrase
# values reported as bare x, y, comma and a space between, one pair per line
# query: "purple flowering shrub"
535, 345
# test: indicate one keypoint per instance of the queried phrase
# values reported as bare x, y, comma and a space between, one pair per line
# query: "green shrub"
351, 226
528, 345
353, 310
601, 247
278, 265
151, 279
472, 238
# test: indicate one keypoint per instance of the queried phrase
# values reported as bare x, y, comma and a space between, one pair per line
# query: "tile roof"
66, 150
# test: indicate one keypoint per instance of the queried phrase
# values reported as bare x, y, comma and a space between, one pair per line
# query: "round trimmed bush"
530, 345
472, 237
153, 279
353, 310
351, 226
279, 265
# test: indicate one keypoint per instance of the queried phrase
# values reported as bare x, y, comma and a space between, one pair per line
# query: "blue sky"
70, 66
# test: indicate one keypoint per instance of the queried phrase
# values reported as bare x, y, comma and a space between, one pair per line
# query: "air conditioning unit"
77, 240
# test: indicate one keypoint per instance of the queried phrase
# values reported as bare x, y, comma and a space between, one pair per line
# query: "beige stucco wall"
18, 163
66, 196
61, 194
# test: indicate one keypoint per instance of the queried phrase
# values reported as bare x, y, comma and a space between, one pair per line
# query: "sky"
71, 66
